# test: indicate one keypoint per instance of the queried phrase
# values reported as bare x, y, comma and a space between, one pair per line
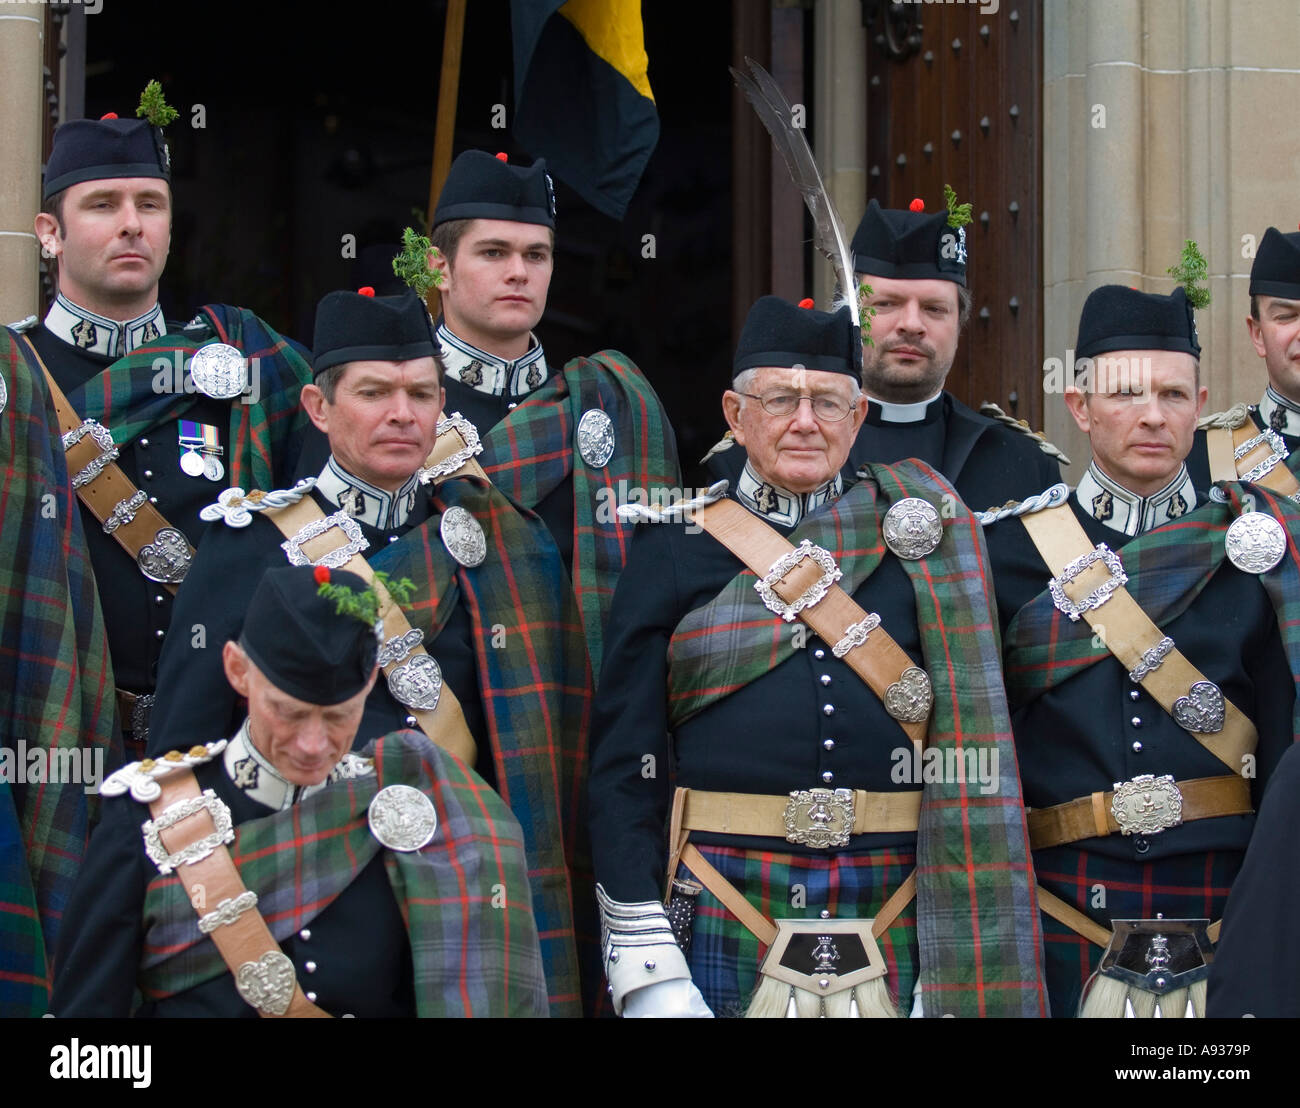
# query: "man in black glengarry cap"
1248, 442
915, 265
336, 884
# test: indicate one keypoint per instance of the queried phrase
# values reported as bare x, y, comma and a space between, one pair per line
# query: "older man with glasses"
790, 639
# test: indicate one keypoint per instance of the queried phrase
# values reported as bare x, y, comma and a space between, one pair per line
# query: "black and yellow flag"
582, 95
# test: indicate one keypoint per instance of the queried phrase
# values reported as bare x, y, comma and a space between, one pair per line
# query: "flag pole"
448, 92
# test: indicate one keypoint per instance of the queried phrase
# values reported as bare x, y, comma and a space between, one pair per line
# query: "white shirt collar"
251, 773
903, 413
82, 328
1279, 413
363, 501
778, 505
1129, 514
486, 372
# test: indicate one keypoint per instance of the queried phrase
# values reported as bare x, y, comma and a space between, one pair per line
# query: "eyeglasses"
825, 406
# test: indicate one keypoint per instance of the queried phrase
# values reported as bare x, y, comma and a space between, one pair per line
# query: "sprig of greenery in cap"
1190, 272
363, 605
412, 264
154, 106
865, 312
958, 214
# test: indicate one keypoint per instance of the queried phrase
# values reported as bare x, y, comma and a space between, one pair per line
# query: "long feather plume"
777, 116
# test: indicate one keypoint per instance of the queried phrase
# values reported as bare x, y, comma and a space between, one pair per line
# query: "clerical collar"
82, 328
252, 773
778, 505
1279, 413
486, 372
882, 411
1127, 513
363, 501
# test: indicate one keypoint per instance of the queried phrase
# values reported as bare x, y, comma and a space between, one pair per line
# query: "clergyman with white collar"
915, 263
377, 398
379, 914
1168, 682
1274, 326
180, 433
760, 705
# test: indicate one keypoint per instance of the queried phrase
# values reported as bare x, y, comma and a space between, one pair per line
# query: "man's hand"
678, 999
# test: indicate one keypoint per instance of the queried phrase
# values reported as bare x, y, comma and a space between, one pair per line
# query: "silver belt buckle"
107, 450
141, 710
200, 848
1147, 805
335, 559
819, 818
453, 462
764, 586
1275, 443
1095, 599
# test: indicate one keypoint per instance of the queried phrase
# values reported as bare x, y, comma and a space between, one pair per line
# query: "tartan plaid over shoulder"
464, 897
977, 917
152, 385
56, 674
535, 686
534, 448
1167, 568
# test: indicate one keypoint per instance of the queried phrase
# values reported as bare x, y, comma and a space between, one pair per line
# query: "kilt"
1190, 886
724, 956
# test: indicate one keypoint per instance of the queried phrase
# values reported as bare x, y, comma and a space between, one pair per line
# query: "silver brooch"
218, 370
1201, 710
595, 438
910, 698
402, 818
912, 528
417, 683
268, 983
167, 559
1255, 542
463, 537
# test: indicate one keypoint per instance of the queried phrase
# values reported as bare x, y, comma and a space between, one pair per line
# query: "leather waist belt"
160, 551
800, 816
1146, 805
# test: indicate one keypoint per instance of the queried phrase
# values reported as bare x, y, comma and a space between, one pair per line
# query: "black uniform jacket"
195, 701
809, 716
986, 462
1098, 727
137, 611
1256, 967
354, 957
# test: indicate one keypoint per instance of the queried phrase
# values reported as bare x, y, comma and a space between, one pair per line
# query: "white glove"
677, 999
917, 1013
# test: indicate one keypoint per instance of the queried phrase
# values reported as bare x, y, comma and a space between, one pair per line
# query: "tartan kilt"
1189, 886
724, 956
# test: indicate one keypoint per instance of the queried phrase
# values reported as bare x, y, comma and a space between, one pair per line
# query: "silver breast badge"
595, 438
218, 371
1255, 542
912, 528
402, 818
463, 537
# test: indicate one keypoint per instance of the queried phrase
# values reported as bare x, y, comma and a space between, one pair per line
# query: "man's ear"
316, 407
731, 402
440, 267
1077, 402
237, 667
1256, 334
47, 234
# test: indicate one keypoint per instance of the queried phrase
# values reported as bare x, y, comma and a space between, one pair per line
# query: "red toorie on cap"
917, 205
109, 115
366, 290
502, 157
806, 302
322, 575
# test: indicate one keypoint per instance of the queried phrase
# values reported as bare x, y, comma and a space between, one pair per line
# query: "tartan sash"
464, 897
1167, 568
536, 692
58, 681
531, 451
147, 387
977, 928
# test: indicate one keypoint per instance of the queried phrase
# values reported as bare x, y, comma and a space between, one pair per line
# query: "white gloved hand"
917, 1013
676, 999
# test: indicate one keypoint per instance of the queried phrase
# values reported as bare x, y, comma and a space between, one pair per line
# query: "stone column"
840, 138
1165, 120
22, 28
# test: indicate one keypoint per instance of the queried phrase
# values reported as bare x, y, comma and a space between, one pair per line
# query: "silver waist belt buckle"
819, 818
